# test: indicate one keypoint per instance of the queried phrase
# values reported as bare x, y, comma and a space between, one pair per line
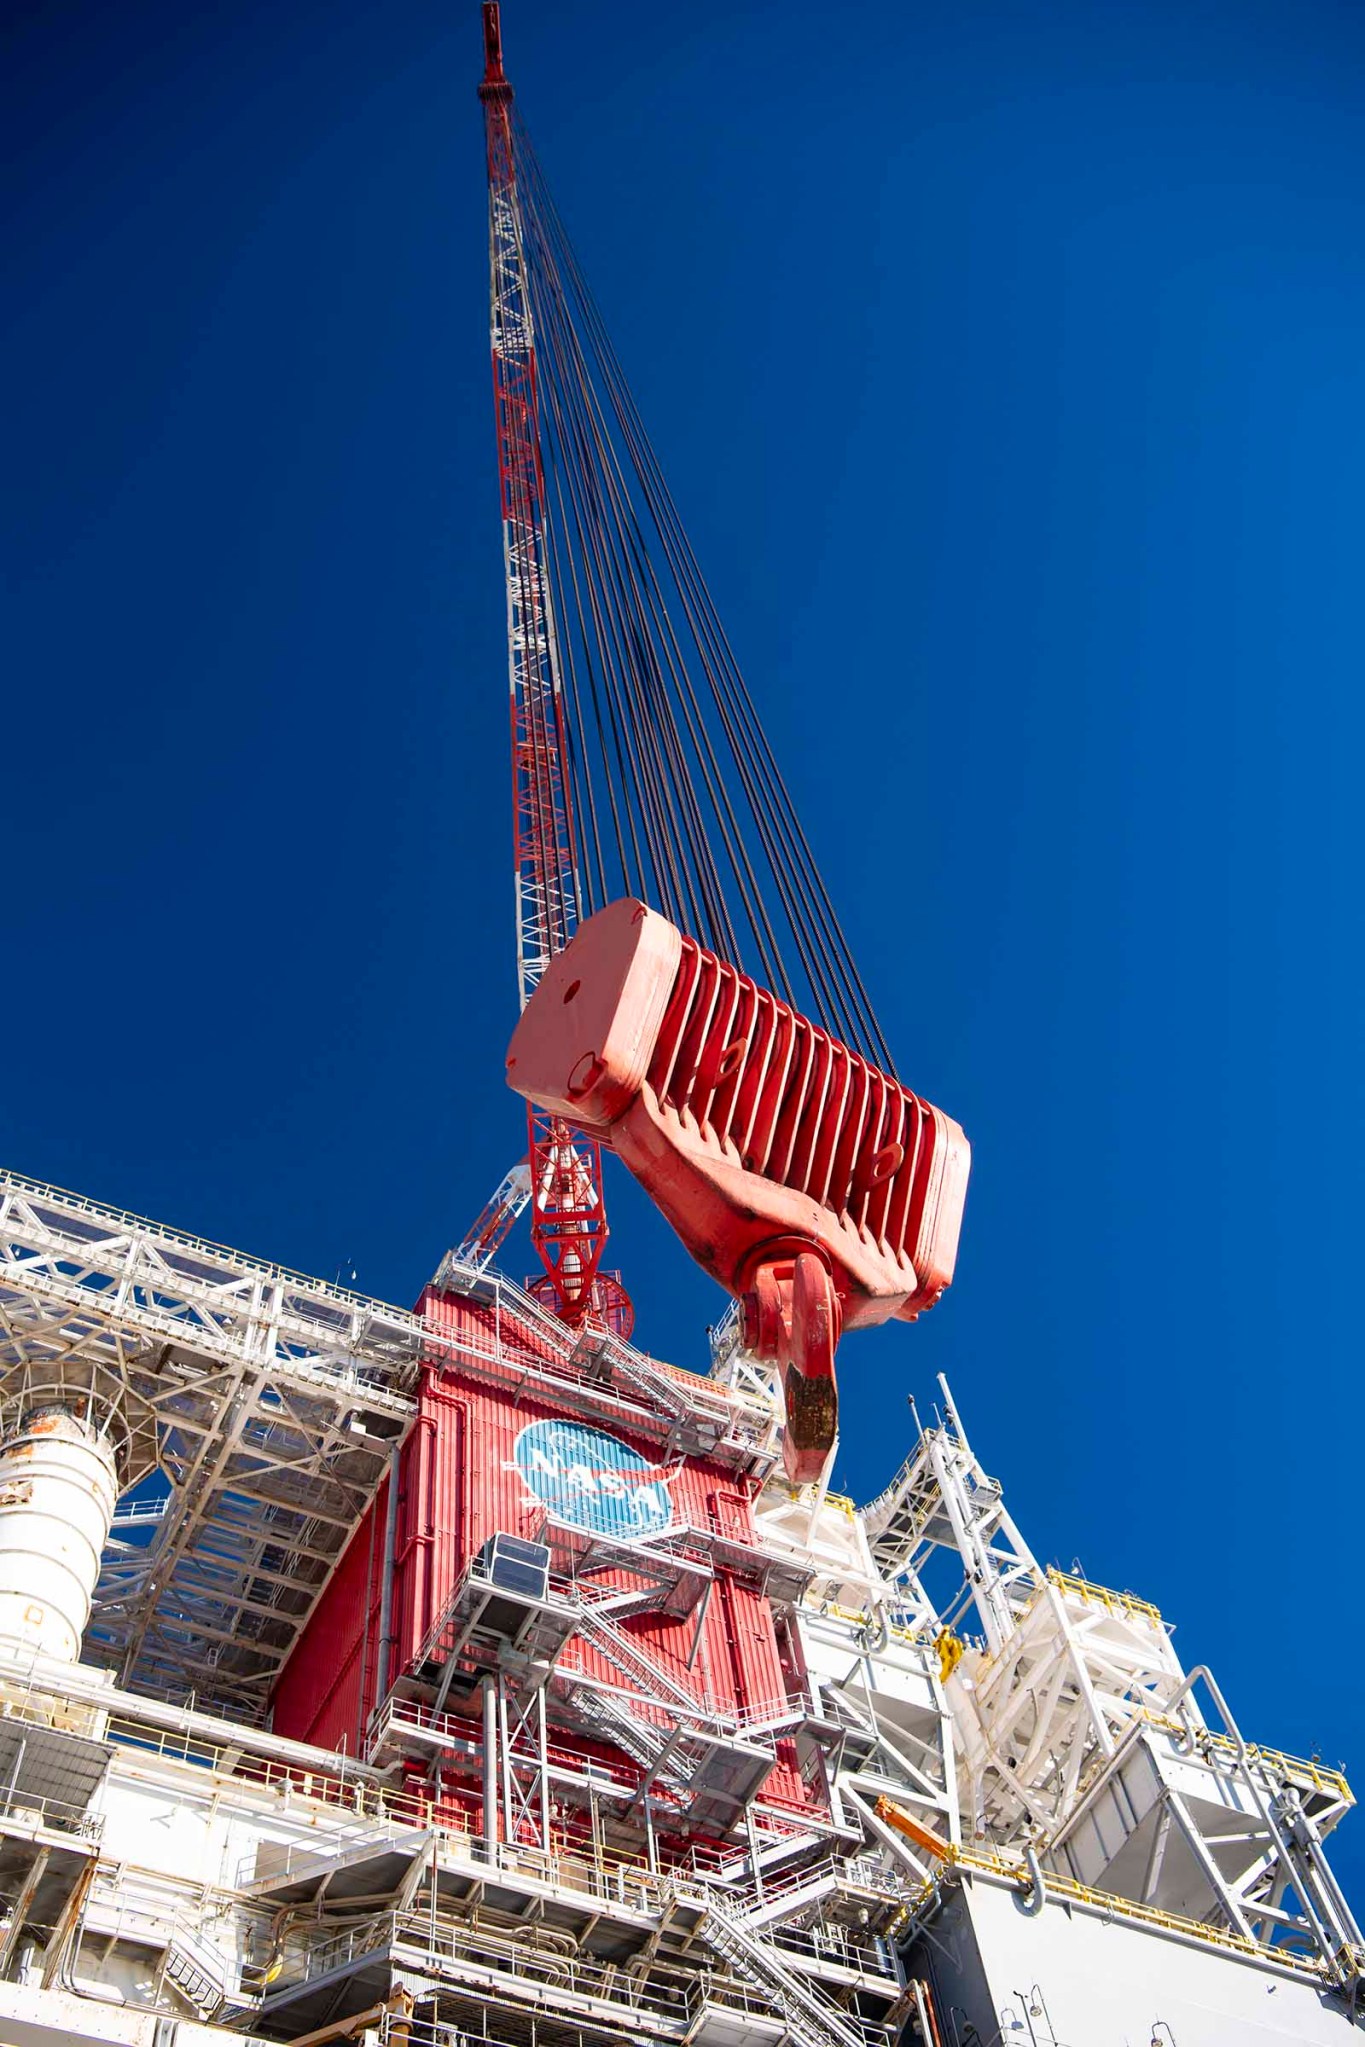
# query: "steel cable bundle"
676, 795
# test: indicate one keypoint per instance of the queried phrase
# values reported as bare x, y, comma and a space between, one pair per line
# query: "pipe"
755, 1866
543, 1762
873, 1638
381, 1682
490, 1767
1037, 1896
924, 2010
508, 1828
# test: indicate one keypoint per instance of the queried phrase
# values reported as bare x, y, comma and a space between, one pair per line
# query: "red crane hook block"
815, 1188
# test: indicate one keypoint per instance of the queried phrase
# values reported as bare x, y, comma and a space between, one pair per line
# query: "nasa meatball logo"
593, 1481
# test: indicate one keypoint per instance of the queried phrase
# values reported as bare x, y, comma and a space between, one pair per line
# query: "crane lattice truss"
269, 1401
491, 1227
546, 869
569, 1223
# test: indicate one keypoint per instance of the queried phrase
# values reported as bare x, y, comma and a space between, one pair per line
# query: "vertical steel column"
754, 1863
490, 1767
381, 1682
505, 1746
542, 1743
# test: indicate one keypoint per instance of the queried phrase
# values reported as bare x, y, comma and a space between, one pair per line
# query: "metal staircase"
634, 1662
788, 1901
811, 2019
646, 1377
197, 1973
702, 1760
897, 1519
651, 1746
660, 1746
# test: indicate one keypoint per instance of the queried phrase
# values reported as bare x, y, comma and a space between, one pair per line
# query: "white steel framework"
196, 1869
1081, 1748
254, 1410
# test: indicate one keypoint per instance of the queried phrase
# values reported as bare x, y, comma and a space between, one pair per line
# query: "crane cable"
676, 793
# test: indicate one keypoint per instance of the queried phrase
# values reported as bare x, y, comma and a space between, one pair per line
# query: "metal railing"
348, 1318
163, 1915
122, 1221
292, 1781
1276, 1763
812, 2018
271, 1863
28, 1811
216, 1970
542, 1966
134, 1513
1110, 1904
743, 1421
827, 1943
726, 1337
1102, 1595
660, 1996
399, 1717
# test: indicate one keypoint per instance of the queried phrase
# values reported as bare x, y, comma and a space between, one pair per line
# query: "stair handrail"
832, 2029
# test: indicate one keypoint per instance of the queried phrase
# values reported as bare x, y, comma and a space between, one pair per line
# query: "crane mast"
546, 873
569, 1222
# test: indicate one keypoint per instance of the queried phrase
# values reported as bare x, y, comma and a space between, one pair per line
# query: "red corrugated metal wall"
325, 1693
460, 1483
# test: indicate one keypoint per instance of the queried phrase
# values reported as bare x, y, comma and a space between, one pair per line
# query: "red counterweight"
815, 1188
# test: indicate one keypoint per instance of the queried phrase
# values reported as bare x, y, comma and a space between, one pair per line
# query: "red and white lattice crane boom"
569, 1220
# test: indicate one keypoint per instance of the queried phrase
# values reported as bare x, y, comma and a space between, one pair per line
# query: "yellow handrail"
1101, 1595
1146, 1915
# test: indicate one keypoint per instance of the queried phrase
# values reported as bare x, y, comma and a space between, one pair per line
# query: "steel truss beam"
1078, 1732
268, 1403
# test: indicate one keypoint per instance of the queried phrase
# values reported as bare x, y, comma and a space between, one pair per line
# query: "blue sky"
1007, 363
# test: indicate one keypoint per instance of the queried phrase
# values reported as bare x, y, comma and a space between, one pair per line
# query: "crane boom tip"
492, 44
